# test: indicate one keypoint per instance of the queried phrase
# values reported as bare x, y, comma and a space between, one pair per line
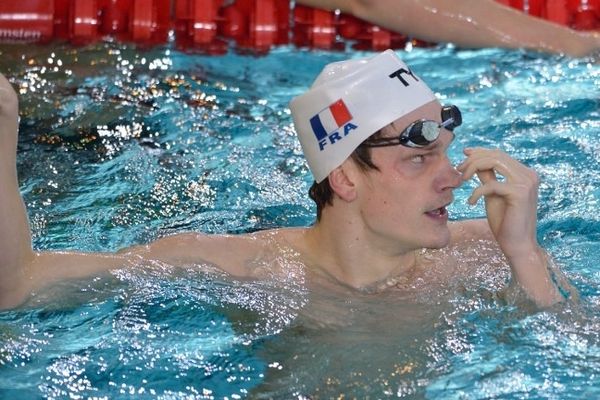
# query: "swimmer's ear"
342, 182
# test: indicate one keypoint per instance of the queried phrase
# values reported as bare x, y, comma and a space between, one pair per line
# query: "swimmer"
468, 24
375, 138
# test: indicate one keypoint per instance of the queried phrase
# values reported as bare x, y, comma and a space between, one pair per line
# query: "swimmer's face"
405, 200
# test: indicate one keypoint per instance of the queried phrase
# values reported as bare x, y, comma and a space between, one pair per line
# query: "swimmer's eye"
418, 159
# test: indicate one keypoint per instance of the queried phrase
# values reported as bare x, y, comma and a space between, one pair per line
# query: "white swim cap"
348, 102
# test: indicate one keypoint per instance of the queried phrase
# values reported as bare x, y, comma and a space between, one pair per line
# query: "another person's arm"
467, 23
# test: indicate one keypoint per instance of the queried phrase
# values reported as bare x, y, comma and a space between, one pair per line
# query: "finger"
486, 176
473, 154
489, 189
519, 172
480, 152
472, 166
468, 151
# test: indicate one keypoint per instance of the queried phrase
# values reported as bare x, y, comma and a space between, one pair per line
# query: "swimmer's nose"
449, 178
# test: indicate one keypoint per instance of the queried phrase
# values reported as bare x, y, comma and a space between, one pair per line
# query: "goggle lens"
451, 117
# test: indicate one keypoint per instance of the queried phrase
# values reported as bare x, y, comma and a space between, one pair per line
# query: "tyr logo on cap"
398, 74
326, 123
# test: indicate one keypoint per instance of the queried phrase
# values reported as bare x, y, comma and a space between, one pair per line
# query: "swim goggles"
421, 133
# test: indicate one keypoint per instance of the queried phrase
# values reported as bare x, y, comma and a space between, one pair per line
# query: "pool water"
120, 146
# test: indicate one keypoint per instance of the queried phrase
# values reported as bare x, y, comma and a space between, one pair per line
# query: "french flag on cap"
330, 119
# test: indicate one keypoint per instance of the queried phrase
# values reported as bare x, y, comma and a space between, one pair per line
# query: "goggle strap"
448, 122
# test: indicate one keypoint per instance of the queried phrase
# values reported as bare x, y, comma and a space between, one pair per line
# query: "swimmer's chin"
440, 242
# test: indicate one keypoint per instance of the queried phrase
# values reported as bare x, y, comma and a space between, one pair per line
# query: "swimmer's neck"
353, 255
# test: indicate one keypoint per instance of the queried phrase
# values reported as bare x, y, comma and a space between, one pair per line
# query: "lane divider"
213, 26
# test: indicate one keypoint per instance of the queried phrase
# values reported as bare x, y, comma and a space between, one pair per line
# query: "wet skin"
377, 227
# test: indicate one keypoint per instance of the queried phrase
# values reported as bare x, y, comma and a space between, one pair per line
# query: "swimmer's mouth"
439, 213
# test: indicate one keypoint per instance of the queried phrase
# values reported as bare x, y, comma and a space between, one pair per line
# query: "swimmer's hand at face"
511, 207
511, 204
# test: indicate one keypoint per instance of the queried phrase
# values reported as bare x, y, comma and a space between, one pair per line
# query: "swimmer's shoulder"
230, 252
469, 230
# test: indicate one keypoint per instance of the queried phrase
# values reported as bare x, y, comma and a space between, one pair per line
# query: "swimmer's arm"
15, 237
229, 253
467, 23
22, 270
535, 272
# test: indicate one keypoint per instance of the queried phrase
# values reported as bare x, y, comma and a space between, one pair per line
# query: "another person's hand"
588, 45
511, 203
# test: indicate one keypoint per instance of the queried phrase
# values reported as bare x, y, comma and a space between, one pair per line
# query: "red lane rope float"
26, 20
314, 28
196, 22
83, 26
368, 36
211, 26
